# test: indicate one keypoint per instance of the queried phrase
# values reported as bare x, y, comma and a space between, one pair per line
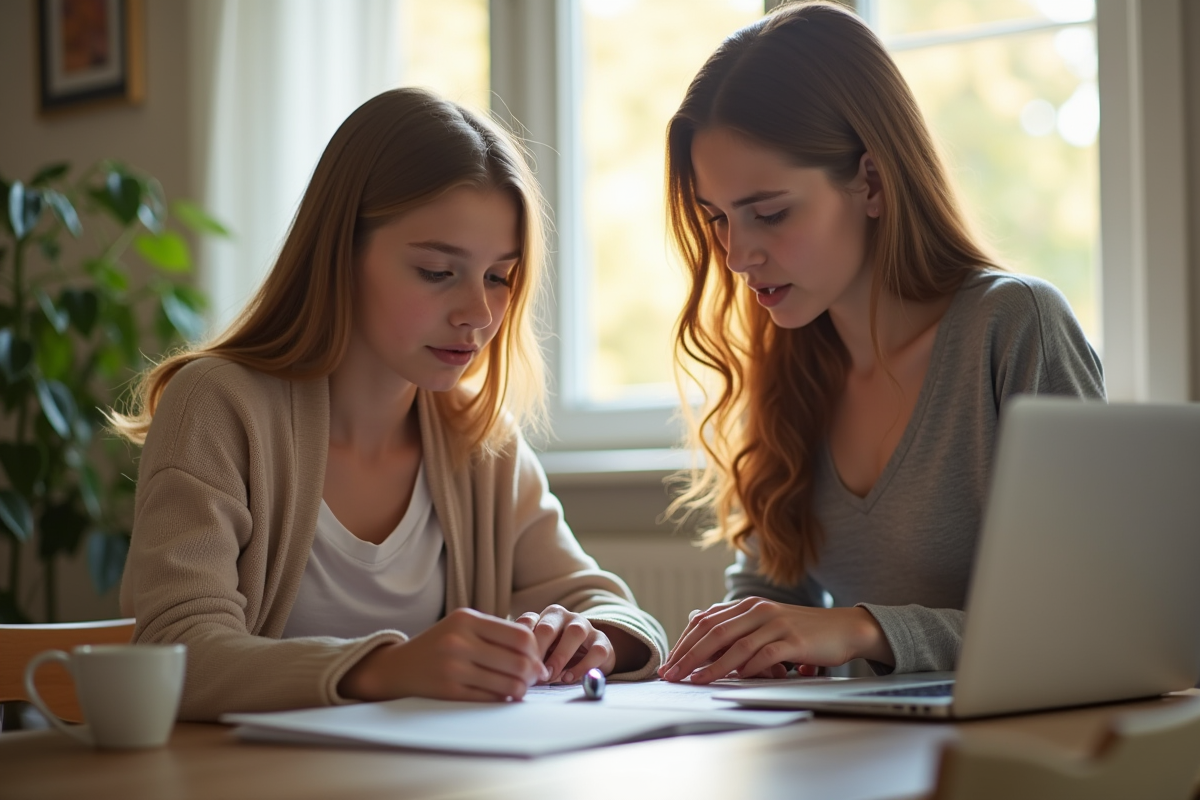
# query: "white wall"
153, 137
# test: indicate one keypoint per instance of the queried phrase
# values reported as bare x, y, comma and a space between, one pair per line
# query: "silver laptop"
1086, 586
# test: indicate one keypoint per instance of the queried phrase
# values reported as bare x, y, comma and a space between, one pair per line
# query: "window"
444, 47
1009, 89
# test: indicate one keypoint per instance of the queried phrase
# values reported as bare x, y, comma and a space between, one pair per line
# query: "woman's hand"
757, 638
467, 655
569, 644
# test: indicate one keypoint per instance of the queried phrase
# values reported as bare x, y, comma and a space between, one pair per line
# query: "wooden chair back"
1143, 754
20, 643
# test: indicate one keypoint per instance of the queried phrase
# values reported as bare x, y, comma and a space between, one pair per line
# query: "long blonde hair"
398, 151
812, 82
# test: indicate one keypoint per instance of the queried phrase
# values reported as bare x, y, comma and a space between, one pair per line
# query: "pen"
593, 684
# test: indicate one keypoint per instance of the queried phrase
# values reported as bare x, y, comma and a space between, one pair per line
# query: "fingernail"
545, 673
568, 678
672, 674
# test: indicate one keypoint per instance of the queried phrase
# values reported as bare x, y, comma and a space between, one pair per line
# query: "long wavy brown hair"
813, 82
398, 151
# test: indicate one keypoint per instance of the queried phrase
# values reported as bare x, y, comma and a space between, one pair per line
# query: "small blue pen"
593, 684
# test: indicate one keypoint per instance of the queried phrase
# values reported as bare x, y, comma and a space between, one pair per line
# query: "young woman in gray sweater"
857, 346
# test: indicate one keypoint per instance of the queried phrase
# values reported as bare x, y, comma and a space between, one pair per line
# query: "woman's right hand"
467, 655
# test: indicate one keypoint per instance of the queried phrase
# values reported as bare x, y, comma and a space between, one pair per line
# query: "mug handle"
80, 732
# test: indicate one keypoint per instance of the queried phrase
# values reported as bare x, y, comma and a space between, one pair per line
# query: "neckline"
415, 516
865, 503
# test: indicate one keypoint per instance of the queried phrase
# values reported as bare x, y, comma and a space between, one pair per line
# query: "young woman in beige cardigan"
333, 423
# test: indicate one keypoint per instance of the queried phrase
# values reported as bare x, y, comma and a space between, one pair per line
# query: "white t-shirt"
353, 588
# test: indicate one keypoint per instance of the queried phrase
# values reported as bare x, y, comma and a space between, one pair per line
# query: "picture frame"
90, 52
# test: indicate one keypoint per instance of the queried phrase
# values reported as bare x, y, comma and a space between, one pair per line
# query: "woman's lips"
769, 296
457, 358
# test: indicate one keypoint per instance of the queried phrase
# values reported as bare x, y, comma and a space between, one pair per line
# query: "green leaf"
61, 529
153, 210
16, 515
82, 307
50, 172
122, 330
57, 318
89, 490
110, 360
65, 211
168, 251
55, 354
16, 356
25, 208
58, 405
121, 195
106, 554
108, 275
195, 218
186, 321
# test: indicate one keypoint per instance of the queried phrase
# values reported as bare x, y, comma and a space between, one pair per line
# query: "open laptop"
1086, 586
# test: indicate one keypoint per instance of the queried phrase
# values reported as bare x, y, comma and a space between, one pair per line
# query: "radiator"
669, 575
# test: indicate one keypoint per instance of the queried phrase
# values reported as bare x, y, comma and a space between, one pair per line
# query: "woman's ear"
868, 176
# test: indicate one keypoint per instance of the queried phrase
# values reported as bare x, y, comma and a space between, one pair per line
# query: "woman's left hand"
753, 637
570, 645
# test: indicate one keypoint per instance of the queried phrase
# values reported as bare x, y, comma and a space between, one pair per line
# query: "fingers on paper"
705, 636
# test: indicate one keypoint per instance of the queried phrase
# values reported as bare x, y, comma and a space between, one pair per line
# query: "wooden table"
827, 758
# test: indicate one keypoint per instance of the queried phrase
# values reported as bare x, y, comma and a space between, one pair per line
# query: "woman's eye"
433, 276
715, 220
498, 279
772, 219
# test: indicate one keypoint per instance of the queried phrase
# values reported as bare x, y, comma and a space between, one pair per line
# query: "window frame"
1143, 192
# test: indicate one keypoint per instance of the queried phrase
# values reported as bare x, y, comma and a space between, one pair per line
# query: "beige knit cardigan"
229, 486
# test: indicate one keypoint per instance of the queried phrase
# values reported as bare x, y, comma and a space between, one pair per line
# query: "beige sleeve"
197, 571
549, 566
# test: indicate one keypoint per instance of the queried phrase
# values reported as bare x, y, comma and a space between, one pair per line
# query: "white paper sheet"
550, 724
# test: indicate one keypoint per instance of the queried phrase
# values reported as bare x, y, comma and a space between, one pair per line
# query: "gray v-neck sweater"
904, 552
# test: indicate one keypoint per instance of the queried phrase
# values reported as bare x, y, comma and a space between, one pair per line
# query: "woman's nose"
740, 252
473, 311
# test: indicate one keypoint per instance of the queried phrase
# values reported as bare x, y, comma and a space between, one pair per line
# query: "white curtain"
271, 81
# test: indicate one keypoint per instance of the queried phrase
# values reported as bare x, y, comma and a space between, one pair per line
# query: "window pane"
639, 57
901, 17
444, 47
1017, 117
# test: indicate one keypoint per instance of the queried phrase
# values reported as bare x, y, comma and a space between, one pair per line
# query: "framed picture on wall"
89, 52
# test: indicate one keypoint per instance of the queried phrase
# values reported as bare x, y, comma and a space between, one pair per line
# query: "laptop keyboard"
929, 690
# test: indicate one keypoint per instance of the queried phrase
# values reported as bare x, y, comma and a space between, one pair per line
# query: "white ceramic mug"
129, 693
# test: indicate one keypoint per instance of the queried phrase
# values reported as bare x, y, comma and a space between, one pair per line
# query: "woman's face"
433, 285
797, 239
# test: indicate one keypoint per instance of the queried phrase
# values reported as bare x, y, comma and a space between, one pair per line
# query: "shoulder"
1013, 296
1009, 306
1031, 337
213, 403
213, 377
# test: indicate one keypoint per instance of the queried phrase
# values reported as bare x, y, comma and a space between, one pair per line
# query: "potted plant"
76, 322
